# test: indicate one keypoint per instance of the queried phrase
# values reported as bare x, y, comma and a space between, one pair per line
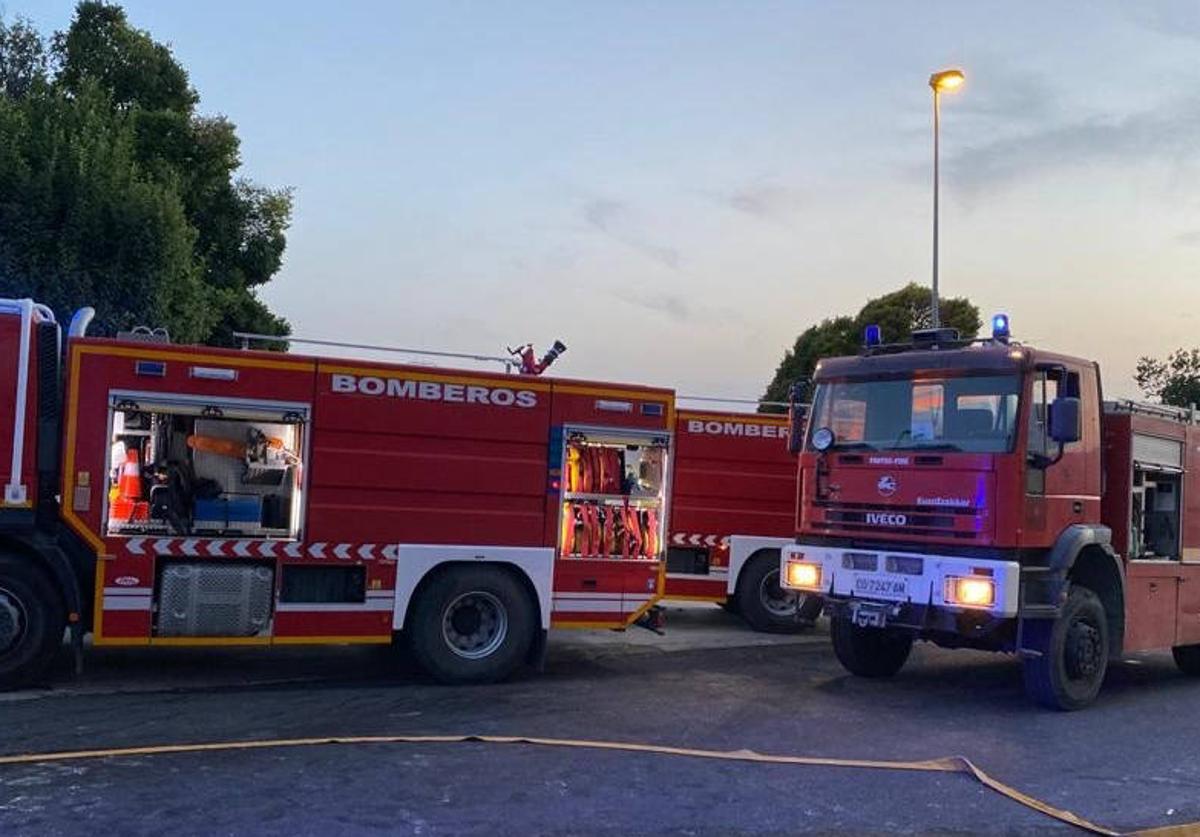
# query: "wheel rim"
12, 621
1084, 656
475, 624
775, 600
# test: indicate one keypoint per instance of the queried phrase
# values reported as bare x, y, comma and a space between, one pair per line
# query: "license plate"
881, 586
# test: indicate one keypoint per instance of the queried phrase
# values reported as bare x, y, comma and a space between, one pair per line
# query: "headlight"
804, 574
970, 591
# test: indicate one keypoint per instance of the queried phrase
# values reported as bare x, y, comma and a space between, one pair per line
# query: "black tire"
1187, 658
472, 625
1074, 658
869, 652
765, 605
32, 620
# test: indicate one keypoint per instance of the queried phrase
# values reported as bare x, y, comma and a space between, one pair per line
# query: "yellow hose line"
949, 764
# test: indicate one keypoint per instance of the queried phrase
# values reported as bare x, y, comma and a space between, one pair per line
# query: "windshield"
972, 413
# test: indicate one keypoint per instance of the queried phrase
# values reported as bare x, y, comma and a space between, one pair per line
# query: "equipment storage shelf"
614, 490
187, 466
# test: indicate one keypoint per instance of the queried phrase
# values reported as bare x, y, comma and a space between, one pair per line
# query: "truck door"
1067, 491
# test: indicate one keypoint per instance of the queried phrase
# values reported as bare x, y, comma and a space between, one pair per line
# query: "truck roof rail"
1187, 415
930, 345
718, 399
509, 363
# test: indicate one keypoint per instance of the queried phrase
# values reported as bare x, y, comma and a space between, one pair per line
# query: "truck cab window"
968, 413
1048, 386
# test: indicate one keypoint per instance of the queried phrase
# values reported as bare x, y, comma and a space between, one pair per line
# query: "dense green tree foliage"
1174, 381
898, 314
116, 193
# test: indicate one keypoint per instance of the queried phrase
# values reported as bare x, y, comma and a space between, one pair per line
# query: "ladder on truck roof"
15, 492
1185, 415
246, 338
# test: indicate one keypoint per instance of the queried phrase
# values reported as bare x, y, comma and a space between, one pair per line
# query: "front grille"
844, 518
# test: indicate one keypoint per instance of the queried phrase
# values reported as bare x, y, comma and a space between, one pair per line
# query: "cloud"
673, 305
765, 201
1189, 239
614, 219
1175, 18
1001, 95
1165, 133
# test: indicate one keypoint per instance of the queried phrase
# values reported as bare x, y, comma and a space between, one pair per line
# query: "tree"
897, 314
115, 193
1174, 381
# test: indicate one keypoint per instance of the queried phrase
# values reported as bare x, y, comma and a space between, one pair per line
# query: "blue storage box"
229, 511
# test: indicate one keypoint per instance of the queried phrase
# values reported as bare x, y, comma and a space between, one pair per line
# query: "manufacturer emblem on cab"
886, 485
126, 581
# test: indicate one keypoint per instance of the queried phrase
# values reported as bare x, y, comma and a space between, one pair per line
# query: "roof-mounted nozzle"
529, 364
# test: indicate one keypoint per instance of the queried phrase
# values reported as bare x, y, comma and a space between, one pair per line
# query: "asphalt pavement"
1128, 762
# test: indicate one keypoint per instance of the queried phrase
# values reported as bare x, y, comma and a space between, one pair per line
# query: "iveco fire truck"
982, 494
733, 507
166, 495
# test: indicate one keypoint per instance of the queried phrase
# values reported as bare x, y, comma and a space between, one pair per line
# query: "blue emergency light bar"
1000, 328
873, 335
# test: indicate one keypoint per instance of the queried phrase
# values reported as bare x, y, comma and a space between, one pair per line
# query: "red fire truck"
981, 494
163, 495
733, 507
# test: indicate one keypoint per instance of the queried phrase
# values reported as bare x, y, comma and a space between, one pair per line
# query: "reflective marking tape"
126, 602
369, 606
698, 539
260, 548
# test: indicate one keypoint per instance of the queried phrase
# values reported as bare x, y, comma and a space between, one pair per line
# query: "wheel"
1074, 657
32, 620
869, 652
472, 625
765, 605
1187, 657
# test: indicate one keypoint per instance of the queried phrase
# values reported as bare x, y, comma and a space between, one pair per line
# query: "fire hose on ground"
948, 764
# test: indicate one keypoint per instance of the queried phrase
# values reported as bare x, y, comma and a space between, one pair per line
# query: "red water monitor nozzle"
530, 365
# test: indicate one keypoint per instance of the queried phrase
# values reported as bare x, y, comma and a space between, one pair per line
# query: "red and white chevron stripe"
228, 548
686, 539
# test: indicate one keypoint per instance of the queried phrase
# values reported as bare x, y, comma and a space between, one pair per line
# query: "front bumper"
905, 579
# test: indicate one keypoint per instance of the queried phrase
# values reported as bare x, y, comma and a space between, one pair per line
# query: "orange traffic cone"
128, 505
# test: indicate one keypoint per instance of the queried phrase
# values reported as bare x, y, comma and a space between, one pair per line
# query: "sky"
677, 189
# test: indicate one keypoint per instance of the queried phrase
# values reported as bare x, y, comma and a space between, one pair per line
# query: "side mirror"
1066, 420
797, 415
797, 419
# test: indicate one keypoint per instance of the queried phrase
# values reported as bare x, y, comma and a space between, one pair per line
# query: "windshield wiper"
853, 446
931, 446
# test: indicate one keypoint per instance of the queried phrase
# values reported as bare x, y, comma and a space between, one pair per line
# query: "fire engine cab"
981, 494
733, 507
161, 495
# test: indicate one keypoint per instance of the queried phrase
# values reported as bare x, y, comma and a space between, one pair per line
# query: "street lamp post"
943, 81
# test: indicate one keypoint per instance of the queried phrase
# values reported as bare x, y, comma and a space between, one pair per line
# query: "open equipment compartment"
1155, 512
189, 466
614, 490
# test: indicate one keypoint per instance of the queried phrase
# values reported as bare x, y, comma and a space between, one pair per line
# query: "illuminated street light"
940, 82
